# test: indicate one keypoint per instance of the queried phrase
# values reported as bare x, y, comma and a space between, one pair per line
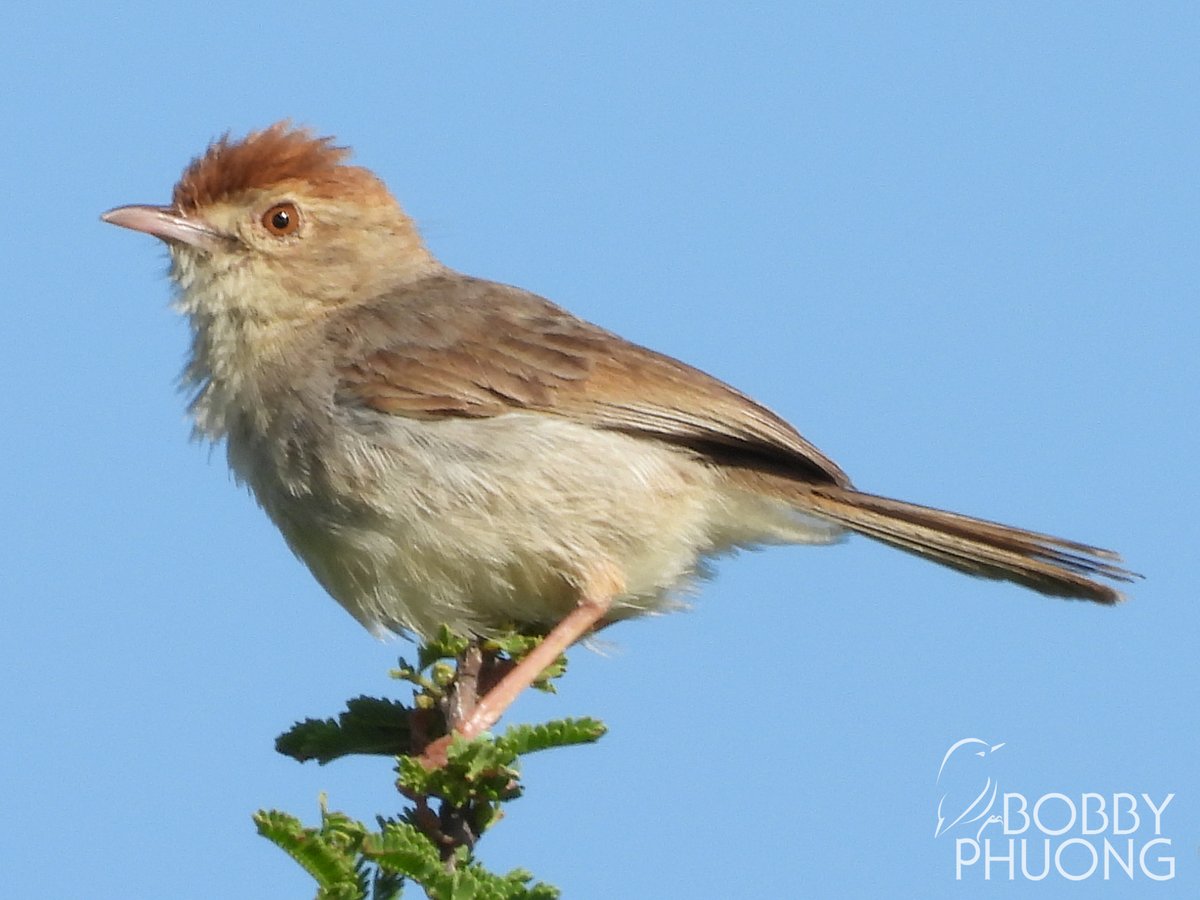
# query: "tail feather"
1043, 562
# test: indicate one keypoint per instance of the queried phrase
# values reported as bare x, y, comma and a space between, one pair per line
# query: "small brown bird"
442, 450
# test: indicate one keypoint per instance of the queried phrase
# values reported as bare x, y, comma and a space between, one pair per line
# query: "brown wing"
452, 346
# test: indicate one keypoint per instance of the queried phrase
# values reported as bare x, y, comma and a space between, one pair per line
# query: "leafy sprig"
431, 841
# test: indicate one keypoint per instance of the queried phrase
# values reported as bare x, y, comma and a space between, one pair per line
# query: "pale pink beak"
164, 223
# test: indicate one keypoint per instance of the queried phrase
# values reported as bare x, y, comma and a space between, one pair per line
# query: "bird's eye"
282, 219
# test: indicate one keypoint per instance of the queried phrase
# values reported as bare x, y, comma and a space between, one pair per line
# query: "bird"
445, 451
963, 797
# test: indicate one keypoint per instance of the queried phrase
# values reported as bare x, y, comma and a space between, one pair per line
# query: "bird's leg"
492, 706
595, 600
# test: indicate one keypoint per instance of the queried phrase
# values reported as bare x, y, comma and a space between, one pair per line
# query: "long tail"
1048, 564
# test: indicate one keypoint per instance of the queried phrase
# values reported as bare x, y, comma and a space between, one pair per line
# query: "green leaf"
522, 739
414, 676
402, 848
476, 883
412, 776
370, 725
431, 841
442, 674
333, 867
386, 885
478, 755
341, 831
477, 769
446, 645
515, 645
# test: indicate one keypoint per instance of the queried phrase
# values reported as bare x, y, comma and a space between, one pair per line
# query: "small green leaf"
442, 674
514, 644
332, 867
370, 725
445, 645
522, 739
402, 848
412, 776
477, 755
386, 885
555, 670
476, 883
405, 672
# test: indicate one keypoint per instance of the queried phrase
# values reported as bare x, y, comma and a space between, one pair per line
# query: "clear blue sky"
956, 245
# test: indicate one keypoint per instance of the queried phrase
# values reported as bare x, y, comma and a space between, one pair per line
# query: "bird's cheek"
320, 278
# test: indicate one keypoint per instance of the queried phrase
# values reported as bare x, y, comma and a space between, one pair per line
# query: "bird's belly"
485, 524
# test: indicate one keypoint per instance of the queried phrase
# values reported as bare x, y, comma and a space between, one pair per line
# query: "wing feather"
451, 346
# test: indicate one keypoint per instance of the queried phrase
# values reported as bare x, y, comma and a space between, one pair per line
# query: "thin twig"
454, 822
463, 694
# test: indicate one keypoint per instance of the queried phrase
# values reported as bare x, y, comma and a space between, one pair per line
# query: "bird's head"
278, 225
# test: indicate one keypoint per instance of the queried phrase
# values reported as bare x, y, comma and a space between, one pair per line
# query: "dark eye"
281, 219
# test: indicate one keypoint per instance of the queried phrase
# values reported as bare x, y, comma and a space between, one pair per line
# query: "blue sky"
954, 244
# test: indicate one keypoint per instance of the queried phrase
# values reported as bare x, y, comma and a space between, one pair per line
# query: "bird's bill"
164, 223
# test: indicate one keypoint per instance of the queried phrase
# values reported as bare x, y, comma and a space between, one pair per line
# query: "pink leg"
591, 609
